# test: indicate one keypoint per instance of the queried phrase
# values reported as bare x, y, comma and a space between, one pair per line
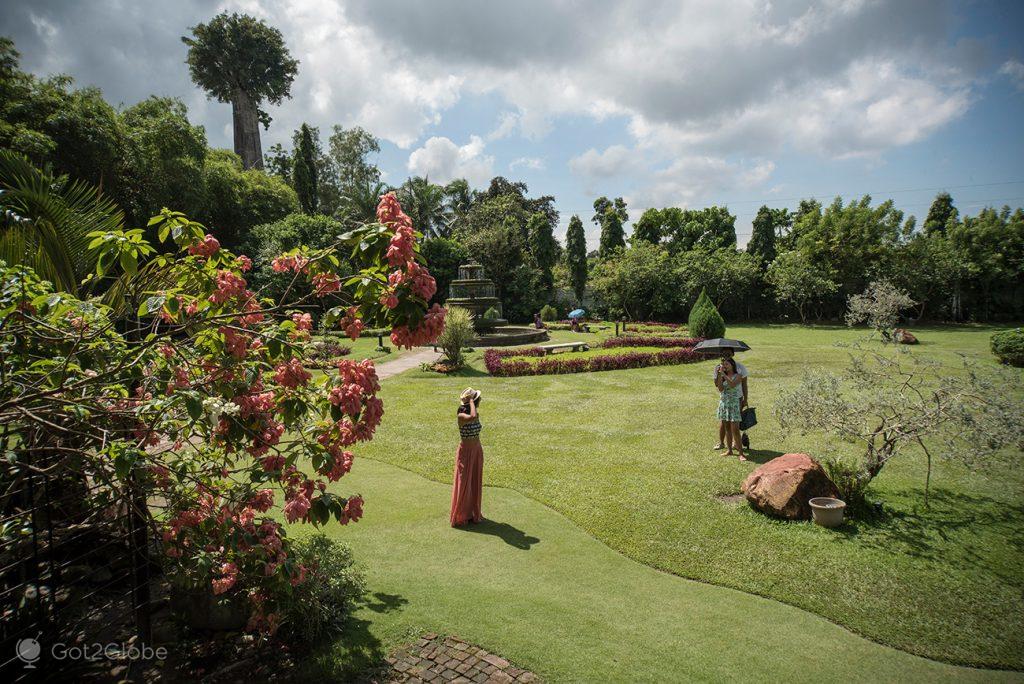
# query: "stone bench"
573, 346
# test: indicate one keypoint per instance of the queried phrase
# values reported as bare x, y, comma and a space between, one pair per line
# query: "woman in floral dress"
729, 383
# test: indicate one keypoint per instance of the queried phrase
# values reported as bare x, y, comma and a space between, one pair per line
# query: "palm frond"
46, 220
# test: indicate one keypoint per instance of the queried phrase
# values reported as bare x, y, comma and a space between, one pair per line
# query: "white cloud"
507, 124
1013, 69
616, 160
535, 163
442, 160
691, 180
702, 77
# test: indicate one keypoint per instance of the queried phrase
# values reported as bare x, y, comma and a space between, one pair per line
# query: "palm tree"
45, 221
458, 200
424, 202
359, 202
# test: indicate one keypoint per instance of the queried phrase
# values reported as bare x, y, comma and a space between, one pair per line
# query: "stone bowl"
826, 511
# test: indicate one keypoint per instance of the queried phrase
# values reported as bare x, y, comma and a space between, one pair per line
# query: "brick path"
437, 658
412, 359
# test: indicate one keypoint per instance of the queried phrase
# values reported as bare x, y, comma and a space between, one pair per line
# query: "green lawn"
586, 354
530, 585
626, 457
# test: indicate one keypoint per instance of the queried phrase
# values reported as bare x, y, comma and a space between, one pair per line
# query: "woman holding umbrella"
729, 383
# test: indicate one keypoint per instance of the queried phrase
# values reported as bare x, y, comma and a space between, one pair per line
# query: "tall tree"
543, 247
349, 149
601, 206
612, 235
648, 228
576, 257
939, 214
239, 59
305, 172
762, 239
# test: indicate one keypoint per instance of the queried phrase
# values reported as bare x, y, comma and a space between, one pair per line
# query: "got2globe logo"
28, 651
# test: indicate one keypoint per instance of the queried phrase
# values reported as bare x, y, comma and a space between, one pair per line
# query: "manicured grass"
626, 455
365, 348
530, 585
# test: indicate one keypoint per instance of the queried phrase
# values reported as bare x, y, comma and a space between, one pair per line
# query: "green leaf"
124, 461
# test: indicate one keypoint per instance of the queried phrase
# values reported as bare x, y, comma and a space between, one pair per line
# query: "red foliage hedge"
494, 359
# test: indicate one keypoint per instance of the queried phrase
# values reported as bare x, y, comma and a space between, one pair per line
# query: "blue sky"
667, 103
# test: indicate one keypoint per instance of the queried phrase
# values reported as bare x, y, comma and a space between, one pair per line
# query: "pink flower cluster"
207, 247
292, 374
426, 332
229, 286
326, 283
284, 264
303, 322
351, 323
227, 579
389, 212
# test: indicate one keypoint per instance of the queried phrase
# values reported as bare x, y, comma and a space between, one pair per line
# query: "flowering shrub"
497, 365
201, 399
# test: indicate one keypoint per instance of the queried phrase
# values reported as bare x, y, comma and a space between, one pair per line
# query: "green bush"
457, 334
705, 321
548, 313
318, 607
492, 314
851, 479
1008, 346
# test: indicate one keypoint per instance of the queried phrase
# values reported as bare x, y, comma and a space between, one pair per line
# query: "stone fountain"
477, 294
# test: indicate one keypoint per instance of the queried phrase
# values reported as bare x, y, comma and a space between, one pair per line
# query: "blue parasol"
577, 313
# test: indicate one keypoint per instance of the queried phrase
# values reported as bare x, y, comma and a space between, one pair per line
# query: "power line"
837, 194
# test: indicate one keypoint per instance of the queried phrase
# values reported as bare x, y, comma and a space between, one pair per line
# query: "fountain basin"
510, 335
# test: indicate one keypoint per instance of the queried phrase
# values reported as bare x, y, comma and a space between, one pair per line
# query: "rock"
783, 486
903, 336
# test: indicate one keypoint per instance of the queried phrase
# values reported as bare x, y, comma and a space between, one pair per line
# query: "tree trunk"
247, 130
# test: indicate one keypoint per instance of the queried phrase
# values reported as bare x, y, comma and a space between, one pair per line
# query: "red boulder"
783, 486
904, 336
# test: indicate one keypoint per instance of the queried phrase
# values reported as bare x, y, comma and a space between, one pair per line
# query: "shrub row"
631, 340
567, 363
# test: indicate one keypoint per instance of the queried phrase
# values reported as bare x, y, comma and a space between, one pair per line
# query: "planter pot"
826, 511
200, 609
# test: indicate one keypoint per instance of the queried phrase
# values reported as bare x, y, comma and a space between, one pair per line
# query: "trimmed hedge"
631, 340
1008, 347
705, 321
494, 360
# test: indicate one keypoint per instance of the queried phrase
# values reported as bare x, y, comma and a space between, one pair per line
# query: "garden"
229, 395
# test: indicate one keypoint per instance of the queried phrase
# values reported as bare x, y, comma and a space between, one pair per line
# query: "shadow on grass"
379, 602
512, 536
354, 654
761, 456
976, 522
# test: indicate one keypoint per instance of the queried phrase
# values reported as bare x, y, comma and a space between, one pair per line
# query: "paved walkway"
447, 659
412, 359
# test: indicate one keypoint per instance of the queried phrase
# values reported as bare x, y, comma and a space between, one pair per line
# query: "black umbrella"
719, 344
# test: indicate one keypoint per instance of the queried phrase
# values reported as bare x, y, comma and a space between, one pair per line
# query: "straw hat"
469, 394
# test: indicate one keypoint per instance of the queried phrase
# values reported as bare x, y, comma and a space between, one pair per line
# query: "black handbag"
748, 418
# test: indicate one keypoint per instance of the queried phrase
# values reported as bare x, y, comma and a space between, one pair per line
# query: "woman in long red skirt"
469, 463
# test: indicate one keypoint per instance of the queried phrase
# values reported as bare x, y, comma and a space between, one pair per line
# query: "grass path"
531, 585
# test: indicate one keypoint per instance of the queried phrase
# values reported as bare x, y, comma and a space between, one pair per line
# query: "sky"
666, 103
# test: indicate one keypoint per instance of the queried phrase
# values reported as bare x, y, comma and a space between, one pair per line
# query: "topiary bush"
705, 321
492, 314
548, 313
1008, 347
